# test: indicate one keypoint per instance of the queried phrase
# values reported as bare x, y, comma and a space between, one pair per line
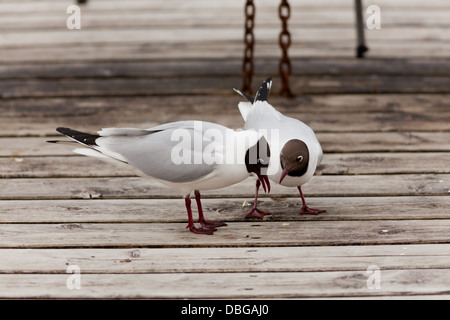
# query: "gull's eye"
299, 158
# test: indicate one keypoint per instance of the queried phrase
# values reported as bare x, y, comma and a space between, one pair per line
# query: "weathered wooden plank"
113, 87
144, 51
231, 209
221, 67
25, 147
331, 143
217, 85
386, 163
228, 285
157, 106
332, 164
220, 260
384, 141
323, 186
239, 234
59, 167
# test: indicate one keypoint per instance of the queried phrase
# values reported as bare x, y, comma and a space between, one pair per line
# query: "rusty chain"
285, 67
249, 40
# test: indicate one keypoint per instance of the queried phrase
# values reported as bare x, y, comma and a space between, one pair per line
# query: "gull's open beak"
264, 180
284, 174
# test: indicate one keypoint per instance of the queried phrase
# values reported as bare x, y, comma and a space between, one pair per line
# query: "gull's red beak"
284, 174
264, 181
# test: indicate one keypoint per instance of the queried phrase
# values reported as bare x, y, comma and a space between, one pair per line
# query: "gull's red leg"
191, 225
305, 208
201, 217
256, 213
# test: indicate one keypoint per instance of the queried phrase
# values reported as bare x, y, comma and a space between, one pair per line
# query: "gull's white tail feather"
118, 163
91, 153
244, 109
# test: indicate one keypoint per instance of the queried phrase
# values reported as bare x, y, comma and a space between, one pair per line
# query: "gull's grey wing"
166, 152
109, 132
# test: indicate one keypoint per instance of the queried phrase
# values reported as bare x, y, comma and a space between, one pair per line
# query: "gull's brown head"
294, 159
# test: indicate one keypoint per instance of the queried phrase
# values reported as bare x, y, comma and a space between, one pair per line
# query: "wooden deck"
384, 124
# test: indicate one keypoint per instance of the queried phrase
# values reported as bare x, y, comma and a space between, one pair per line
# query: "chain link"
249, 40
285, 67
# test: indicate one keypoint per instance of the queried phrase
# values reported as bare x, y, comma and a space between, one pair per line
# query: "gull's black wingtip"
84, 138
261, 95
60, 130
63, 130
264, 90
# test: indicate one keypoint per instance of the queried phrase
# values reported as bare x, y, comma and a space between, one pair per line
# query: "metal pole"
361, 47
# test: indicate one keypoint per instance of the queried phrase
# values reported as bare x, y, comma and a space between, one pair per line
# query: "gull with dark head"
190, 156
296, 152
